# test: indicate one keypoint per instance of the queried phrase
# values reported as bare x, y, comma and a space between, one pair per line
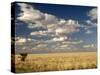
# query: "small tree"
23, 56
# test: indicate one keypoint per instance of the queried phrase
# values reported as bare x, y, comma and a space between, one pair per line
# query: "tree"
23, 56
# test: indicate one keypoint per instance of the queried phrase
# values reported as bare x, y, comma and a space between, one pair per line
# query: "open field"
56, 62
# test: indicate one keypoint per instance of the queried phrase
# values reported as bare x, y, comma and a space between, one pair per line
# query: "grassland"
56, 62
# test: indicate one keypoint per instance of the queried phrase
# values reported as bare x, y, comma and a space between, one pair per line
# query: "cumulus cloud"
59, 38
29, 14
93, 14
57, 44
36, 18
91, 23
20, 40
73, 42
66, 29
89, 32
50, 19
63, 46
38, 33
63, 27
41, 45
29, 39
93, 17
89, 46
57, 29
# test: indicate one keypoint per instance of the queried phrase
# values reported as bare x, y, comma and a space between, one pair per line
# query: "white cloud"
92, 22
64, 27
93, 14
89, 32
59, 38
89, 22
36, 18
77, 42
29, 14
20, 40
62, 21
29, 39
63, 46
56, 28
38, 33
89, 46
50, 19
60, 30
72, 22
41, 46
31, 26
73, 42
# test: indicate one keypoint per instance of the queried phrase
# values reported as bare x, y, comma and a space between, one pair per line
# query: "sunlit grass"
56, 62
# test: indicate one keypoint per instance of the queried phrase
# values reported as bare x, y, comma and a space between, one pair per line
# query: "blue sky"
55, 28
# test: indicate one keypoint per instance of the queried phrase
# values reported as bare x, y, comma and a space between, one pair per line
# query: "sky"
45, 28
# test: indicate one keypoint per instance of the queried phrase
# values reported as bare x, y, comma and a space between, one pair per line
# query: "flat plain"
56, 62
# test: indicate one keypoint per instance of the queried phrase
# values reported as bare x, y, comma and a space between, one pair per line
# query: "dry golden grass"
56, 62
